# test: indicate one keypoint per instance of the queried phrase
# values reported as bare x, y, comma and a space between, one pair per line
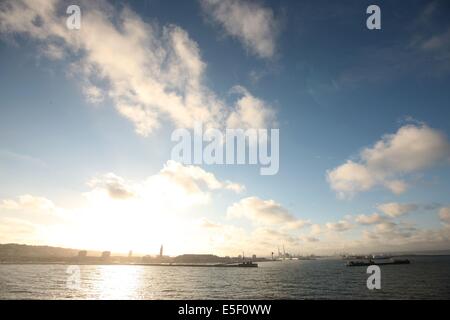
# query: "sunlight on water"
119, 282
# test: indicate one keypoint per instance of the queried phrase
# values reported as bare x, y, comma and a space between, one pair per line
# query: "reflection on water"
118, 282
424, 278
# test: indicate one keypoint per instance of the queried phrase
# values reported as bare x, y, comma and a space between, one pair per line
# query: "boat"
371, 262
248, 264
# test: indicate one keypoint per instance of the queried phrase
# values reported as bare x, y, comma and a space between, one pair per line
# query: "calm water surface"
427, 277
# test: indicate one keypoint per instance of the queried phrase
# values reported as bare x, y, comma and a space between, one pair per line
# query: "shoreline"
202, 265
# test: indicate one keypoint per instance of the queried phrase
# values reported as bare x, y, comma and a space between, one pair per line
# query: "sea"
427, 277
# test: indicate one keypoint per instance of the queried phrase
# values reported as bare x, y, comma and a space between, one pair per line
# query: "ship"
377, 262
248, 264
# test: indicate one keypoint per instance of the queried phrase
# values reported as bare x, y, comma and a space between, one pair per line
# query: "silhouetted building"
254, 257
161, 251
82, 254
106, 254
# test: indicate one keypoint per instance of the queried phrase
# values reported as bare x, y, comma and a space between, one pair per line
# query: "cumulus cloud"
374, 218
411, 149
193, 177
262, 240
309, 239
315, 229
16, 230
393, 209
248, 21
249, 111
151, 73
269, 236
25, 218
389, 230
174, 185
340, 226
264, 212
116, 186
205, 223
93, 93
386, 235
28, 202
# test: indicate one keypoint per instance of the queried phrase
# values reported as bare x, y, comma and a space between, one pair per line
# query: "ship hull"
376, 263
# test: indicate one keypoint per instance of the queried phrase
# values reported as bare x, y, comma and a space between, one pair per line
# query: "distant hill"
14, 250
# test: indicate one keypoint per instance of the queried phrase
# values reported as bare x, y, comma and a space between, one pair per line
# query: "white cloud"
93, 94
392, 231
191, 177
116, 187
150, 73
413, 148
17, 230
250, 112
393, 209
350, 178
315, 229
340, 226
25, 219
309, 239
264, 212
175, 186
269, 236
374, 218
248, 21
444, 215
205, 223
28, 202
53, 52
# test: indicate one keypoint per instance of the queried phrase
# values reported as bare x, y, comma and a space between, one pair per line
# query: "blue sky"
335, 86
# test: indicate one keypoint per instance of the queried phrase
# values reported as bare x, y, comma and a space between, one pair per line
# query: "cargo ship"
377, 262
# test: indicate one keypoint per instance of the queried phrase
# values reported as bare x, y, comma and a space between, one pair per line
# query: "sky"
86, 118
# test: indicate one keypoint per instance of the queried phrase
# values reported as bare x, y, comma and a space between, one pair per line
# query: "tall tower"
161, 251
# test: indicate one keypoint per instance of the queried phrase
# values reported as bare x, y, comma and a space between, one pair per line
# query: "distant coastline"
46, 255
27, 254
